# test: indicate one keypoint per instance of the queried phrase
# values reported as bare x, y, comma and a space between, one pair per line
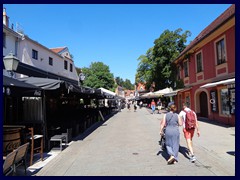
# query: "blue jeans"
153, 109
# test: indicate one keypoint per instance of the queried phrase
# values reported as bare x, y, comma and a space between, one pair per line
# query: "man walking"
189, 131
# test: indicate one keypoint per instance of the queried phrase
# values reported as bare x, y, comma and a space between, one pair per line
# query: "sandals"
171, 160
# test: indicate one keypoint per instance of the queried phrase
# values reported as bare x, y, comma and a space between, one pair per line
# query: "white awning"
163, 91
107, 92
149, 95
224, 82
173, 93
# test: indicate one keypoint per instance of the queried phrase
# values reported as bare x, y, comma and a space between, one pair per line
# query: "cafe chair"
35, 148
68, 135
8, 165
21, 157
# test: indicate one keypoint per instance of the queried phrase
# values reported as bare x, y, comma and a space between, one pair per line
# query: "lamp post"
81, 78
11, 63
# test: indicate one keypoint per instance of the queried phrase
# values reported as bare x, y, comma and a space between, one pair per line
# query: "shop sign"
37, 93
213, 101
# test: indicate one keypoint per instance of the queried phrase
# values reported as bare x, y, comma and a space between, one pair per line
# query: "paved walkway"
127, 145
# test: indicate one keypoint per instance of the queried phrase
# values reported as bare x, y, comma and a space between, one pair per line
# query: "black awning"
33, 71
11, 82
52, 84
44, 83
14, 87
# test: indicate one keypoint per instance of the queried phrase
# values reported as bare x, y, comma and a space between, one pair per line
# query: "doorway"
203, 104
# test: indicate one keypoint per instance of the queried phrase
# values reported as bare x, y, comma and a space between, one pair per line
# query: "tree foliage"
119, 81
98, 75
145, 67
125, 84
156, 65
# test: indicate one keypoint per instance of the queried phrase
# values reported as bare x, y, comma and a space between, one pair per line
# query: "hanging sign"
213, 101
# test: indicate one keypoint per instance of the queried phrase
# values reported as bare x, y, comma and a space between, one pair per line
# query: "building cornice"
14, 33
216, 28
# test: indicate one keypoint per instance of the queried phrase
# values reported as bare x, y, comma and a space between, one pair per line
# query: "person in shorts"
159, 106
189, 133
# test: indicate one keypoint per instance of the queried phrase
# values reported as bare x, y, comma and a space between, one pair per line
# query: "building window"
232, 100
34, 54
199, 62
4, 40
224, 101
50, 61
187, 100
185, 67
71, 67
65, 65
178, 72
180, 101
221, 54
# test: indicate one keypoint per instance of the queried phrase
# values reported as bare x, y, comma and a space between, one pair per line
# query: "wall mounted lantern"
10, 62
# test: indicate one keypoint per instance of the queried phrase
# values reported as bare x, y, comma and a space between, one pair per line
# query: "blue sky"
115, 34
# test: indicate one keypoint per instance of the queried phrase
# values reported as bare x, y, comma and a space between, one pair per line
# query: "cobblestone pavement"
127, 145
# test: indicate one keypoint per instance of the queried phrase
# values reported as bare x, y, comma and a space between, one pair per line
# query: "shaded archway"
203, 104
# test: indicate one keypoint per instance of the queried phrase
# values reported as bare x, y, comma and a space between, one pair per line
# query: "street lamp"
11, 63
81, 78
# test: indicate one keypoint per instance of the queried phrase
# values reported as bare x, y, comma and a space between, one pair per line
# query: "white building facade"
32, 53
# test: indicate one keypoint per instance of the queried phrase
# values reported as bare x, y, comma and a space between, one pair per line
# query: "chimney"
5, 18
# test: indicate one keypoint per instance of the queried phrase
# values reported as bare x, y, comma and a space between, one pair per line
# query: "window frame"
224, 108
65, 64
186, 68
199, 65
50, 61
188, 99
178, 72
34, 54
217, 61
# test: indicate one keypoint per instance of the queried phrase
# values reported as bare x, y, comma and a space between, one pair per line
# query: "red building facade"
207, 68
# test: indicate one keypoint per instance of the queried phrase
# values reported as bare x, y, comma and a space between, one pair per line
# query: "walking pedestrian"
140, 104
169, 104
129, 105
153, 106
159, 106
135, 106
189, 132
171, 121
119, 105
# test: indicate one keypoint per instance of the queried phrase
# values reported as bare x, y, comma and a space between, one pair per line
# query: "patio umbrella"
149, 95
163, 91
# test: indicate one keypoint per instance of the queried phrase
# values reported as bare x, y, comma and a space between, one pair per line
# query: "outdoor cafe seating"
36, 144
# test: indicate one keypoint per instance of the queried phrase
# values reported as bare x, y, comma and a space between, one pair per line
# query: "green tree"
128, 85
98, 75
156, 66
119, 81
145, 67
